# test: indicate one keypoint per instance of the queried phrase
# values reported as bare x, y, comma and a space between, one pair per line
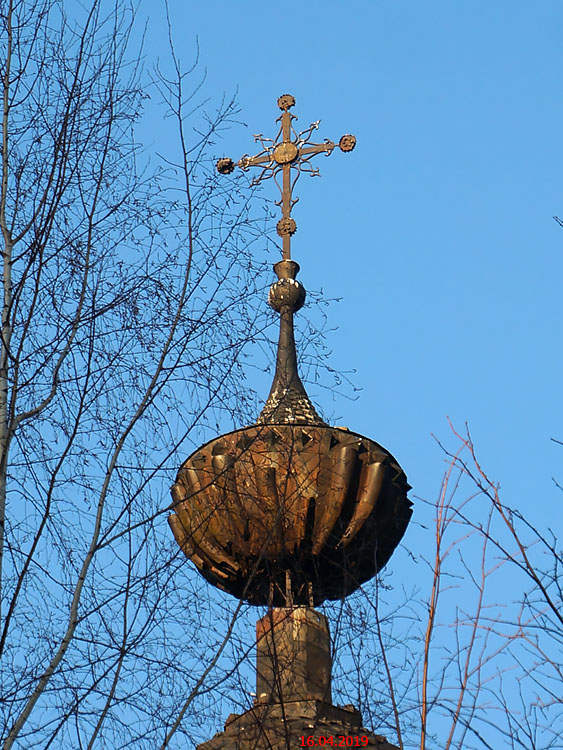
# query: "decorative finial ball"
286, 226
287, 293
225, 166
286, 101
347, 142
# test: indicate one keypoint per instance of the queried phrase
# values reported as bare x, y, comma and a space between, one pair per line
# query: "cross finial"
288, 150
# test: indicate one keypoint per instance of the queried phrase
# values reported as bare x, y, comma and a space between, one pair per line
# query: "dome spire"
289, 512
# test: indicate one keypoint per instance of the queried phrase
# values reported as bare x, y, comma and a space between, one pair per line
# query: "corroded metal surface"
283, 515
288, 150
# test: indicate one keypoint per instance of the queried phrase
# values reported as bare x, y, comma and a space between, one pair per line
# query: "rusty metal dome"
289, 511
284, 514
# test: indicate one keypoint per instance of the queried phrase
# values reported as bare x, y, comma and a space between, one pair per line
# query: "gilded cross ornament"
289, 150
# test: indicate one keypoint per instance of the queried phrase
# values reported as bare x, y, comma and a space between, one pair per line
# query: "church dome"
290, 510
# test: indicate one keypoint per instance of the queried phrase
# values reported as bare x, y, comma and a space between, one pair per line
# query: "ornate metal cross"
288, 150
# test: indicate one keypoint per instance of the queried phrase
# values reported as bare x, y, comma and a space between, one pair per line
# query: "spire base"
293, 695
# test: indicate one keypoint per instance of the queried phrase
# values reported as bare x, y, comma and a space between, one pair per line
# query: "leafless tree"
126, 312
470, 657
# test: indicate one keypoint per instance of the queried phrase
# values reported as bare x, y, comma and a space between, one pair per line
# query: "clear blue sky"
437, 231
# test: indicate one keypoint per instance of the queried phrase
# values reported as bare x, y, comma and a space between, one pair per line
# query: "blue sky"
438, 235
437, 231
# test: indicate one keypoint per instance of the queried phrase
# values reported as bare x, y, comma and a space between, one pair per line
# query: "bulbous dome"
280, 514
289, 511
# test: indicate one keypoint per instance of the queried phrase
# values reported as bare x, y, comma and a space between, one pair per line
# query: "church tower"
290, 512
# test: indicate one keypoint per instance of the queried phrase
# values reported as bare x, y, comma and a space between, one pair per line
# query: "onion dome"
289, 511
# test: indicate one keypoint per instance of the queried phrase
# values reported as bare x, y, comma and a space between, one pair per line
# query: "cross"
288, 150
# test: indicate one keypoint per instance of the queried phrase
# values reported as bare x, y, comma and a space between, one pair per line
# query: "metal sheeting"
282, 514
